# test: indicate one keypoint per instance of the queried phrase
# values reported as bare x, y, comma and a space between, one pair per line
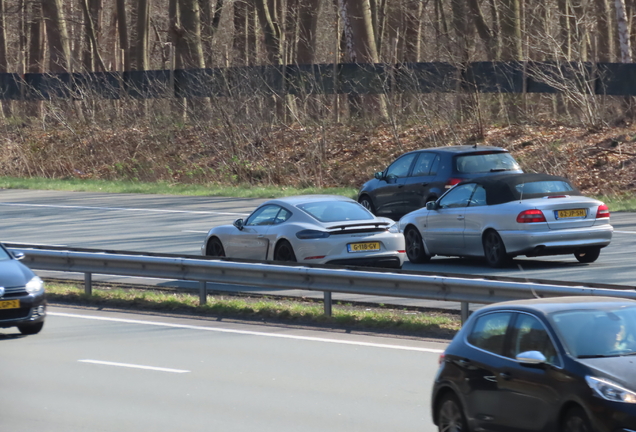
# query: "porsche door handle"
460, 217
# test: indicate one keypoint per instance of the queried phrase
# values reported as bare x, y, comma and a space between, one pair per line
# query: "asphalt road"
178, 224
104, 371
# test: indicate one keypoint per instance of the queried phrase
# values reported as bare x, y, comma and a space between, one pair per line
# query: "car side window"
423, 165
457, 197
479, 197
400, 168
282, 216
529, 334
435, 166
489, 332
265, 215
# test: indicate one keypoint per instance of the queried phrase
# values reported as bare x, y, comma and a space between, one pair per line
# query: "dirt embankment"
599, 162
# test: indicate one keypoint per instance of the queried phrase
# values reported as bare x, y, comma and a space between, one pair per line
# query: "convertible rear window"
336, 211
545, 187
486, 162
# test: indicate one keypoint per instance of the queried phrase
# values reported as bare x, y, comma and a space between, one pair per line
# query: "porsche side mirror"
239, 224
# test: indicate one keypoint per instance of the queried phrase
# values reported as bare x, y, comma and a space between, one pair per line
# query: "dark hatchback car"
420, 176
22, 298
564, 364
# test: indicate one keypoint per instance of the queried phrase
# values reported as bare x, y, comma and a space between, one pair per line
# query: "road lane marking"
625, 232
247, 332
124, 209
33, 244
196, 232
126, 365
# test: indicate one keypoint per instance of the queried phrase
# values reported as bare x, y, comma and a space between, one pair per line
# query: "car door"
389, 195
417, 185
475, 218
529, 398
444, 234
482, 366
251, 242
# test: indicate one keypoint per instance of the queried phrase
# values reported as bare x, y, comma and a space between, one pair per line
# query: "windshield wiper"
499, 169
592, 356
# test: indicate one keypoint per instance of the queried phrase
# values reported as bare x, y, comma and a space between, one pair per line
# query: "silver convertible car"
500, 217
318, 229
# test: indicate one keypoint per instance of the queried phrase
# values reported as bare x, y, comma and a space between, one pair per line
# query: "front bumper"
32, 310
555, 242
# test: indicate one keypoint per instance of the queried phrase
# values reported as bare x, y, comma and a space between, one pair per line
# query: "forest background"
312, 140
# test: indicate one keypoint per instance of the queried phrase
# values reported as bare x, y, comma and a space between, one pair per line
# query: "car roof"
462, 149
304, 199
501, 188
557, 304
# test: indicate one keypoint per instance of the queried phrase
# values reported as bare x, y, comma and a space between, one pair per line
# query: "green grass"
297, 312
239, 191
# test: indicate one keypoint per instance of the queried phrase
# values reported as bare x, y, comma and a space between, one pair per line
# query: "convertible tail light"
602, 212
312, 234
452, 182
528, 216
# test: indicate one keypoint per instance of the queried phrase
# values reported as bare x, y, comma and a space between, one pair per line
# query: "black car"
22, 298
564, 364
420, 176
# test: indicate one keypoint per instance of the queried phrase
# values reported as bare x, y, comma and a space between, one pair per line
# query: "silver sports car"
500, 217
319, 229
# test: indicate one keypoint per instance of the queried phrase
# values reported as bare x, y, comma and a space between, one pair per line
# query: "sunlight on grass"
403, 321
163, 188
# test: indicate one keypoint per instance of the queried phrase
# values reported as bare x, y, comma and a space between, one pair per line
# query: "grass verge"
306, 313
164, 188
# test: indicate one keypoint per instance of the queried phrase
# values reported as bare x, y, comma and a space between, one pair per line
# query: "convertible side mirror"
431, 205
379, 175
239, 224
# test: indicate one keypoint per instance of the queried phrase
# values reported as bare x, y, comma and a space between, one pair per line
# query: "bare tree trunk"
413, 31
122, 26
307, 21
92, 57
141, 37
210, 18
271, 31
6, 104
605, 41
57, 35
239, 41
623, 31
482, 28
35, 54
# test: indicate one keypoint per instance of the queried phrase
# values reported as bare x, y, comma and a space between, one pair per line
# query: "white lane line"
625, 232
126, 365
32, 244
196, 232
247, 332
124, 209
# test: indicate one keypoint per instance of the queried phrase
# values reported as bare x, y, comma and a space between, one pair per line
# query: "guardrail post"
203, 293
465, 311
88, 283
328, 303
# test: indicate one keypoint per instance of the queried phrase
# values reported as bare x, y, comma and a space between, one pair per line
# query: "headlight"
35, 285
610, 391
394, 229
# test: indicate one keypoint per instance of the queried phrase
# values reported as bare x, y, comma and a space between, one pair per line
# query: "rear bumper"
32, 310
385, 262
556, 242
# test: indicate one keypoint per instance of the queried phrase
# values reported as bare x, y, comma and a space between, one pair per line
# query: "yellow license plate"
363, 247
561, 214
9, 304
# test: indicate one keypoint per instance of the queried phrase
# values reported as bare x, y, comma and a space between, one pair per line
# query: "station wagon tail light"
528, 216
312, 234
441, 359
602, 212
452, 182
610, 391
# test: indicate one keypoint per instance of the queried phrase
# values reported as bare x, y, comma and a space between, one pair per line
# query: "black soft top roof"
502, 188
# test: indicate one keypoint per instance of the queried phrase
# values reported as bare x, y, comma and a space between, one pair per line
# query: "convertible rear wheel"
450, 417
495, 250
587, 255
415, 247
215, 248
284, 252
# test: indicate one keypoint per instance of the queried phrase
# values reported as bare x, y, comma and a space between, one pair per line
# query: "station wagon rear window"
486, 162
336, 211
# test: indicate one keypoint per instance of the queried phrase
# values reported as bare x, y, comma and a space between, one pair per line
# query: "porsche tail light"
528, 216
312, 234
602, 212
452, 182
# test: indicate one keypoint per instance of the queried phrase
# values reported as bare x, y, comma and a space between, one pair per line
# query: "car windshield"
336, 211
4, 255
545, 187
486, 162
591, 333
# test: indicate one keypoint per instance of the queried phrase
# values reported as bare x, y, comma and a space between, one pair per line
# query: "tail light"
441, 359
528, 216
602, 212
452, 182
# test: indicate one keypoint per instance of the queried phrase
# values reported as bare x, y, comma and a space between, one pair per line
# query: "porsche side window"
263, 216
459, 196
489, 332
282, 216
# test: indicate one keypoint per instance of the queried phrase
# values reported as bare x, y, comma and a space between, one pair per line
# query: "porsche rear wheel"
284, 252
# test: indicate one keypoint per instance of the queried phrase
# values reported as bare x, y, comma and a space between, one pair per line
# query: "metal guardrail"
328, 280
